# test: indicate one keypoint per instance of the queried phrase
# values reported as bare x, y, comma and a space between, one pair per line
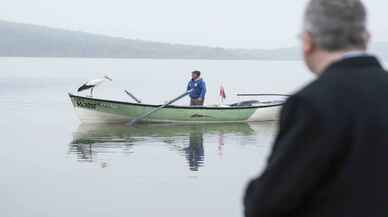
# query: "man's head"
331, 28
195, 75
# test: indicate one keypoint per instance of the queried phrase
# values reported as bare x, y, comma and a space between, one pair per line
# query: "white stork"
92, 84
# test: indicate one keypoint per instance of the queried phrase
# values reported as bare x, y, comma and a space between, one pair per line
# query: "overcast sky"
232, 24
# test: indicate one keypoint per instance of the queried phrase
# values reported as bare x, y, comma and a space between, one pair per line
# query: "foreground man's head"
331, 29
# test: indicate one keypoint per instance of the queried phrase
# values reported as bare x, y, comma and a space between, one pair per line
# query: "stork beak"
108, 78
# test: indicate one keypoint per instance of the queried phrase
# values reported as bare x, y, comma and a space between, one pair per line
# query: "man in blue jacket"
198, 87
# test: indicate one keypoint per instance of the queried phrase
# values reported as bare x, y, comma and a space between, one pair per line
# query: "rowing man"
198, 87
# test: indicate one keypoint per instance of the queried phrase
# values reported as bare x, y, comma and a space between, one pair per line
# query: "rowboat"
95, 110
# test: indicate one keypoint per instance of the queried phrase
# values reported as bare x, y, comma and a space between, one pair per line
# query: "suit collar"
355, 62
353, 54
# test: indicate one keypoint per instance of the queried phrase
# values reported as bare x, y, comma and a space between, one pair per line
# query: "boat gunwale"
176, 107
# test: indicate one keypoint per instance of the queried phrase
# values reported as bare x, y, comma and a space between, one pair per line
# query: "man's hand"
199, 99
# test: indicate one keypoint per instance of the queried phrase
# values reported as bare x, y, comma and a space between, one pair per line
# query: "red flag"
222, 92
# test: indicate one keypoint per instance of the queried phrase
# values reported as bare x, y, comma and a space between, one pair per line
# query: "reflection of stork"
92, 84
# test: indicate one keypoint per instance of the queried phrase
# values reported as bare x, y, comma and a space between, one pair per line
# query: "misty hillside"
25, 40
37, 41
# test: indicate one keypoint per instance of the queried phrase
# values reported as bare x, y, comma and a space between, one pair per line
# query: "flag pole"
222, 94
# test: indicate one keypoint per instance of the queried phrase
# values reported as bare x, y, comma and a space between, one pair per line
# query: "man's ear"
368, 38
308, 43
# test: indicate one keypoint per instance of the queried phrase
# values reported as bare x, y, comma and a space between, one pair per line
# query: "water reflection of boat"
90, 142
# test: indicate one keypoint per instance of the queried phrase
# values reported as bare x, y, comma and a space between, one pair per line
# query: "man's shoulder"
322, 95
317, 89
342, 90
201, 82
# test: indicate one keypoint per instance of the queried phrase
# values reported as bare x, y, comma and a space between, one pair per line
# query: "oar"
132, 96
134, 121
254, 94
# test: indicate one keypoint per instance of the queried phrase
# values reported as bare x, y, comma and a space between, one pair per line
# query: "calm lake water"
53, 166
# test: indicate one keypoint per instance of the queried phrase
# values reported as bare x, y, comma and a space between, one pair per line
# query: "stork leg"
91, 92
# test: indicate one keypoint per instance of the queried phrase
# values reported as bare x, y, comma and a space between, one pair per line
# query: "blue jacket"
199, 88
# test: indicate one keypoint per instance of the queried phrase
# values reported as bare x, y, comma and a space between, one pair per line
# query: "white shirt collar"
353, 54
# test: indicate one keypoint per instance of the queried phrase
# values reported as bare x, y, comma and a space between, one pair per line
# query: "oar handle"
178, 98
255, 94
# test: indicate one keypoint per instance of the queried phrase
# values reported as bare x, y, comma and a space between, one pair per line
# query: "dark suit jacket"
330, 158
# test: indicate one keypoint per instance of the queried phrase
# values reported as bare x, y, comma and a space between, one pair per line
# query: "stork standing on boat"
93, 83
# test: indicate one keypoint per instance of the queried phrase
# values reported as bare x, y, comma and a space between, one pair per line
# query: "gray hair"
337, 25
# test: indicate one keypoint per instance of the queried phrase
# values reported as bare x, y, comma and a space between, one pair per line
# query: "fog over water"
231, 24
54, 166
